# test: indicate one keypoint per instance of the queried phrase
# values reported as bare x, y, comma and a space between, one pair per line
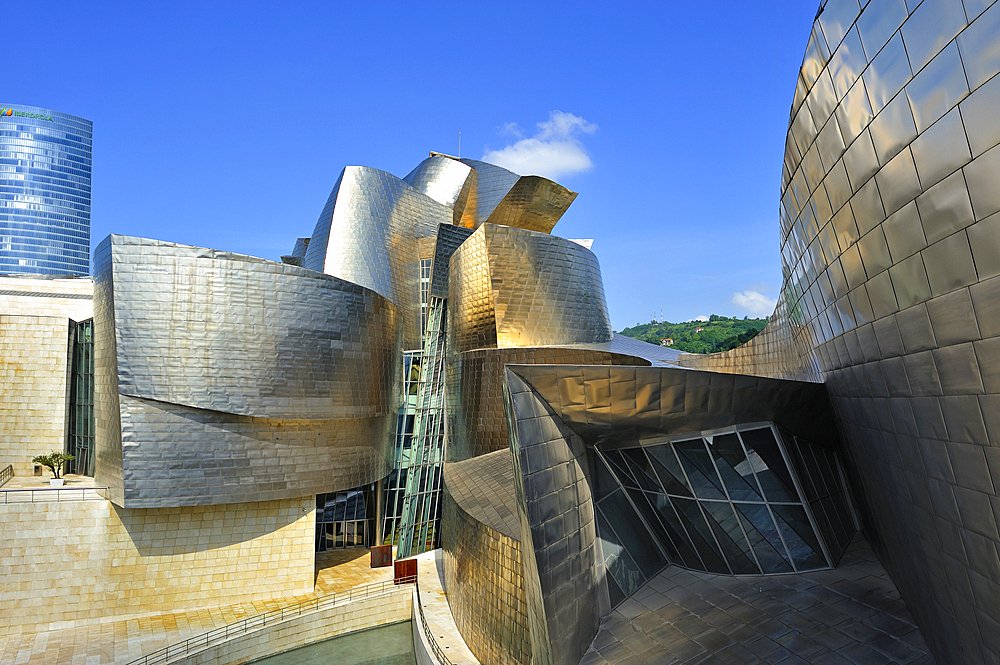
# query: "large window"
747, 501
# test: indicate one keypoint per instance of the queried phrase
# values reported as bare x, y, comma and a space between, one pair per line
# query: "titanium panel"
222, 378
902, 379
510, 287
368, 234
534, 204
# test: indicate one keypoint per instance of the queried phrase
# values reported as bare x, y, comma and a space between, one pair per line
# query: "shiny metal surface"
511, 287
369, 233
222, 378
484, 572
897, 317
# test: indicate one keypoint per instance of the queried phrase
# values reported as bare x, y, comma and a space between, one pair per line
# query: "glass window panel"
641, 469
620, 468
701, 535
763, 535
724, 522
641, 501
685, 548
669, 470
614, 591
734, 467
604, 482
632, 534
700, 470
769, 466
617, 561
799, 537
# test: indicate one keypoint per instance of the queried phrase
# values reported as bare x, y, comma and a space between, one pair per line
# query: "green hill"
719, 333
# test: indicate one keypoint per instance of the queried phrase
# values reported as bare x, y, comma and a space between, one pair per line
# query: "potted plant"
54, 461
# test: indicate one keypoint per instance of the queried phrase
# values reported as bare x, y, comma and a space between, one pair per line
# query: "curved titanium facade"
890, 229
44, 191
257, 380
368, 234
511, 287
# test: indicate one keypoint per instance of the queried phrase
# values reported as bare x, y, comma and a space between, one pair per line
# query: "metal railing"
6, 474
435, 647
220, 635
53, 494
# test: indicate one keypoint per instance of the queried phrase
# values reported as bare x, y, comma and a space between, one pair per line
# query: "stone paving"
121, 641
851, 615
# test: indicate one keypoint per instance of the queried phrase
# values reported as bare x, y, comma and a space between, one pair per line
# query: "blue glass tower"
44, 192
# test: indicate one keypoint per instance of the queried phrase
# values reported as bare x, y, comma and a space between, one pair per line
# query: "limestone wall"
34, 385
34, 363
90, 560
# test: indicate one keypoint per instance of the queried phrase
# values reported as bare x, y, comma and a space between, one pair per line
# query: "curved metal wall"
223, 378
512, 287
889, 227
368, 234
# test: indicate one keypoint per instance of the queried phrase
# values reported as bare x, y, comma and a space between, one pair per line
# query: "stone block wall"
90, 560
34, 388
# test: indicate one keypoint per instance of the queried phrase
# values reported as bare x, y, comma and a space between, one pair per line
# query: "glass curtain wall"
723, 502
345, 519
422, 501
81, 401
395, 484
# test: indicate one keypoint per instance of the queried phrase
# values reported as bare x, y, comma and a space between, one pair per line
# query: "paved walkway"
430, 577
115, 642
851, 615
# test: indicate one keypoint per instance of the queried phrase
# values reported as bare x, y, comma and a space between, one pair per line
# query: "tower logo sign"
24, 114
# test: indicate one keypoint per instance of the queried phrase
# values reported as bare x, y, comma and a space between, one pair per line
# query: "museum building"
433, 368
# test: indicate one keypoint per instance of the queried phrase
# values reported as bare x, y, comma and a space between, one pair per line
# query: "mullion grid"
765, 501
395, 486
418, 531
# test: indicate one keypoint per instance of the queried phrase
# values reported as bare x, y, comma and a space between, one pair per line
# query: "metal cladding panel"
617, 405
221, 378
481, 539
446, 180
477, 424
558, 527
533, 203
368, 234
179, 456
449, 238
107, 419
230, 333
888, 237
492, 184
510, 287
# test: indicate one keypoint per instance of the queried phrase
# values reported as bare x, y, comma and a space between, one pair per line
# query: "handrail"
44, 494
223, 633
435, 647
6, 474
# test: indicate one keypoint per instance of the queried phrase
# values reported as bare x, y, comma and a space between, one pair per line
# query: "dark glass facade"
45, 159
81, 407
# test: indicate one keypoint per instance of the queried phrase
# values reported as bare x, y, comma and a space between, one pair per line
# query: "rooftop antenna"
460, 145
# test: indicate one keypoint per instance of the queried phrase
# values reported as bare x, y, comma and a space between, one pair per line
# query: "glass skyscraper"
44, 192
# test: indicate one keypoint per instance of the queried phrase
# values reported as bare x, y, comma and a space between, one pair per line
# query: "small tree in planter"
55, 461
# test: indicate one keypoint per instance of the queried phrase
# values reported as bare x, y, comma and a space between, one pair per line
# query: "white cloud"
754, 303
700, 318
554, 151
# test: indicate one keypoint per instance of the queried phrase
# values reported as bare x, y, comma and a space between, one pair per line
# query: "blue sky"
226, 125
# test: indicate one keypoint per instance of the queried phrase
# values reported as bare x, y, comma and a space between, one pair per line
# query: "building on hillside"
45, 161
